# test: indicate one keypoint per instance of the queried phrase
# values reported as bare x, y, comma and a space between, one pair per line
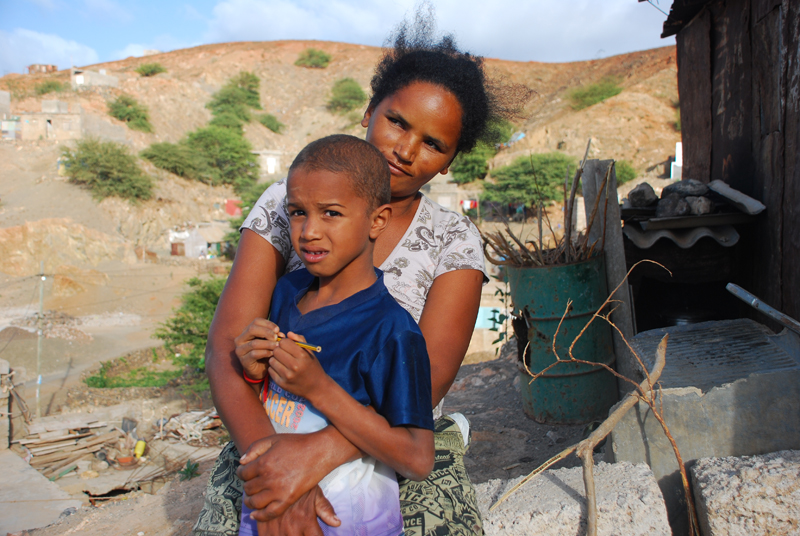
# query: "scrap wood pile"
197, 428
54, 448
507, 249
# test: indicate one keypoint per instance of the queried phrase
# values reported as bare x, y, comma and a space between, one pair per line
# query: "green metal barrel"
568, 392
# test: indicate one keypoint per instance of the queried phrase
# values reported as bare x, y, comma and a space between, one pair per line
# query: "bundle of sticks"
506, 248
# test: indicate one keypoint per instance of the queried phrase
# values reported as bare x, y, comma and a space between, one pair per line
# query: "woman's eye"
433, 146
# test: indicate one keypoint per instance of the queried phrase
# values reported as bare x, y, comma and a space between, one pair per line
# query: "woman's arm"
447, 322
246, 296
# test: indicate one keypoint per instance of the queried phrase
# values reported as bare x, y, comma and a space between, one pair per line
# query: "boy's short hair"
362, 163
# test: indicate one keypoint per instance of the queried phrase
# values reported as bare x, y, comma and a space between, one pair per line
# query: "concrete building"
5, 104
55, 122
269, 162
81, 78
41, 68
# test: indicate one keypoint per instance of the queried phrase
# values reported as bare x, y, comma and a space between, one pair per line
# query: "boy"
372, 378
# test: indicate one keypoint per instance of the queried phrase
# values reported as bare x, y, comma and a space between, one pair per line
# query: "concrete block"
728, 390
97, 127
5, 102
554, 503
748, 496
55, 107
27, 499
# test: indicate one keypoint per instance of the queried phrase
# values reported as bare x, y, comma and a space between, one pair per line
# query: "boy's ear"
380, 220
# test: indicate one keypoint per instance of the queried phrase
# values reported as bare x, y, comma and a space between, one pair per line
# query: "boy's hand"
295, 369
255, 346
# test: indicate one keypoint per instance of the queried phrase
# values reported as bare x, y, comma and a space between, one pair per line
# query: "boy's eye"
433, 145
296, 212
332, 213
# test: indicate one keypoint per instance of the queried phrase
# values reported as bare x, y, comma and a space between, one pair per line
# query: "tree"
530, 179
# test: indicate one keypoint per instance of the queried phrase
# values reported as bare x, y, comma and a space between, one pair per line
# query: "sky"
83, 32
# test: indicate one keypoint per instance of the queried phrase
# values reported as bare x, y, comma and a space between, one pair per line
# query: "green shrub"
177, 158
271, 122
473, 165
228, 120
313, 58
49, 86
127, 109
235, 99
139, 377
539, 177
586, 96
227, 157
107, 169
346, 95
625, 172
190, 322
150, 69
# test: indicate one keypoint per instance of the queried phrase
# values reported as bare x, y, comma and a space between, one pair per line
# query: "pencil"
307, 346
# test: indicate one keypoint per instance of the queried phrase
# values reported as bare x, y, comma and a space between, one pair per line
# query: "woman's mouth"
396, 169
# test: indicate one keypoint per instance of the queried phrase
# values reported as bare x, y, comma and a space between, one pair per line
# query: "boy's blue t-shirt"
371, 347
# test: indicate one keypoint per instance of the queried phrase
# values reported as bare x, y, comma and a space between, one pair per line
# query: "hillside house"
739, 85
269, 162
41, 68
83, 78
54, 122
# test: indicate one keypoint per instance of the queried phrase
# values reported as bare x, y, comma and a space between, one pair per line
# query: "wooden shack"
739, 85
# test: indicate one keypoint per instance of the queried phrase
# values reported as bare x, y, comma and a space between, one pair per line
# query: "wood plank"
614, 250
694, 87
30, 442
761, 8
65, 424
731, 94
790, 270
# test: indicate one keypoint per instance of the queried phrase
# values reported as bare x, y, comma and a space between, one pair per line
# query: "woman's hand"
255, 346
279, 470
295, 369
301, 517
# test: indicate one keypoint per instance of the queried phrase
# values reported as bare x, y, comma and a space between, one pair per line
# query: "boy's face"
330, 225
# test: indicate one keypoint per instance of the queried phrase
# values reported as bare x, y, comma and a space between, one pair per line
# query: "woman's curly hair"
415, 54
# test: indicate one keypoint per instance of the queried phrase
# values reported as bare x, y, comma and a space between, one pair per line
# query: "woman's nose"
405, 149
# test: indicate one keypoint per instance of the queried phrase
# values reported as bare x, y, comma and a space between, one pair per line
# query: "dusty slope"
637, 125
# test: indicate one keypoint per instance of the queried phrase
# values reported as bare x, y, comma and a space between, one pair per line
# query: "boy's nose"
310, 229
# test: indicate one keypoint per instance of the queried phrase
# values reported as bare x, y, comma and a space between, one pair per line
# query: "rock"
642, 196
700, 205
88, 475
671, 206
748, 495
685, 188
629, 502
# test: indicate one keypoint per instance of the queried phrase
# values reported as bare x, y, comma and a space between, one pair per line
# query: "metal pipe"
759, 305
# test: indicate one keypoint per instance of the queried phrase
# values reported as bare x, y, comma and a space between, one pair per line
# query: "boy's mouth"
313, 254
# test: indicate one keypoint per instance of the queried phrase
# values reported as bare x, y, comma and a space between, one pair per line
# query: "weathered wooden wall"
739, 82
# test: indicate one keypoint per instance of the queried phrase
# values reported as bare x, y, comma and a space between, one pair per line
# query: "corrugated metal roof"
680, 14
725, 235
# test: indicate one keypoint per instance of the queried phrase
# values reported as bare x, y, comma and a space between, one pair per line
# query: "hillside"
637, 125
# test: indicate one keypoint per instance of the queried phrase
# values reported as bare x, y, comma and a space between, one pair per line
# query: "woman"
429, 103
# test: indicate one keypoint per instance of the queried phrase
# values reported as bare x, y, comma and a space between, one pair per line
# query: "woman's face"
417, 129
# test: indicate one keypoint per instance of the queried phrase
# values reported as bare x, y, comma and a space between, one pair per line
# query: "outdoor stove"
702, 252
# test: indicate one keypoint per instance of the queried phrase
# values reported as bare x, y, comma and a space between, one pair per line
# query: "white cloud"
22, 47
540, 30
108, 8
162, 43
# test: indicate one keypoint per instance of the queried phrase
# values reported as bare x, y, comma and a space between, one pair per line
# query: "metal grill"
709, 354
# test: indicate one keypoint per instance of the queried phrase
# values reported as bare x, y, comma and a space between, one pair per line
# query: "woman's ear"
450, 163
380, 220
367, 117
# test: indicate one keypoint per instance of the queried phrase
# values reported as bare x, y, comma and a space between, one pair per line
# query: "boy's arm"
406, 449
